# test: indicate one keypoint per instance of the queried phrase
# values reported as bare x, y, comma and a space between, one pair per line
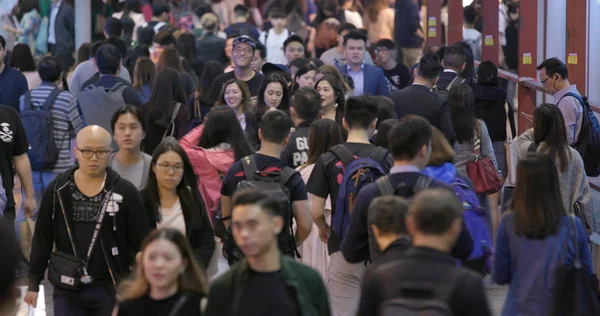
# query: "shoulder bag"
482, 172
170, 131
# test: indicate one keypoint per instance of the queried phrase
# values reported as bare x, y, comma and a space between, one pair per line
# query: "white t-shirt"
274, 45
172, 218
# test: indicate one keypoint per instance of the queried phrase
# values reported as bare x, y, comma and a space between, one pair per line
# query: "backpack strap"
249, 167
343, 153
574, 95
380, 154
532, 148
423, 183
50, 99
171, 126
286, 174
454, 82
384, 184
28, 104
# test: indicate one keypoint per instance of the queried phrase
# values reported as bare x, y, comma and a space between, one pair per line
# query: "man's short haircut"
49, 69
469, 14
164, 38
259, 198
388, 213
128, 108
387, 43
361, 111
145, 35
307, 103
435, 210
454, 57
386, 109
275, 126
408, 137
108, 59
291, 39
113, 27
2, 42
554, 66
262, 50
160, 7
241, 10
429, 67
94, 48
119, 43
277, 14
355, 35
345, 26
299, 63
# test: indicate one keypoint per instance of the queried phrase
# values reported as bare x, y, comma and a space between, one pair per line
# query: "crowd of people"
297, 159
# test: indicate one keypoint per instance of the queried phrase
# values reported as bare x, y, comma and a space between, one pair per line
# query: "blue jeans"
87, 301
41, 179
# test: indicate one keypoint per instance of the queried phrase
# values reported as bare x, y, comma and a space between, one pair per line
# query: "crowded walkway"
293, 157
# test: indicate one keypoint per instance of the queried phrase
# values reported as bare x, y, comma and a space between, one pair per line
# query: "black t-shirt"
267, 294
326, 178
13, 142
84, 217
253, 84
145, 305
268, 164
295, 153
397, 77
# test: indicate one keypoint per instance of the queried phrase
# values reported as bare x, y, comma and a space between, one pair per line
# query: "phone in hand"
528, 118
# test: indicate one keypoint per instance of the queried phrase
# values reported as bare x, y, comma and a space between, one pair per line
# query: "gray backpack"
98, 105
443, 93
421, 299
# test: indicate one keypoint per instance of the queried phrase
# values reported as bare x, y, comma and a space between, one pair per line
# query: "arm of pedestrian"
23, 168
318, 215
303, 219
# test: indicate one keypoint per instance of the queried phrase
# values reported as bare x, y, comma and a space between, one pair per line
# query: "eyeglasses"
381, 50
239, 51
165, 167
88, 153
544, 80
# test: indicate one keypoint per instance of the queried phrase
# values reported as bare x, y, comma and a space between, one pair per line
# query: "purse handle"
477, 143
509, 135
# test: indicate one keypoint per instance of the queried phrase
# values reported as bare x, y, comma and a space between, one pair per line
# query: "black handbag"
69, 271
574, 293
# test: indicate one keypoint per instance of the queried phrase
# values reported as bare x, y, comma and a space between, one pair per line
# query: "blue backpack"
357, 173
39, 128
588, 143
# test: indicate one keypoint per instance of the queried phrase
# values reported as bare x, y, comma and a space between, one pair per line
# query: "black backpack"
274, 183
443, 93
39, 128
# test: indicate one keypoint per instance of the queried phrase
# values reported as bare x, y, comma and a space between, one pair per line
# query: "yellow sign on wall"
432, 32
489, 40
431, 21
572, 59
527, 59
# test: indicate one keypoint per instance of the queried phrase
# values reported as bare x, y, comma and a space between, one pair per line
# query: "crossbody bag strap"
477, 143
171, 125
62, 208
178, 305
249, 167
509, 135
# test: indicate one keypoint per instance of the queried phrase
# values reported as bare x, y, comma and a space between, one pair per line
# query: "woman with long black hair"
172, 199
333, 99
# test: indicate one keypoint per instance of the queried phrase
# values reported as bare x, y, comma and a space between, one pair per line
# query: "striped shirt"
66, 120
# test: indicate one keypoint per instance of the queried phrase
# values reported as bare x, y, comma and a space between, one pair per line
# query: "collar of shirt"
450, 70
420, 84
242, 120
362, 67
56, 5
561, 93
404, 169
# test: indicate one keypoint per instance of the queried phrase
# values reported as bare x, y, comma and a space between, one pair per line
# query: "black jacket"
419, 100
489, 107
444, 79
121, 234
394, 251
200, 236
423, 266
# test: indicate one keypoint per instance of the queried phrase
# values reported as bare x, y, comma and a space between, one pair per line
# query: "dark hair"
192, 204
348, 81
128, 26
160, 7
386, 109
246, 102
454, 57
316, 62
322, 135
487, 74
537, 202
470, 14
299, 63
212, 69
429, 67
301, 72
118, 43
241, 10
132, 109
262, 50
108, 59
222, 126
131, 5
277, 14
49, 69
202, 9
261, 106
94, 49
408, 136
291, 39
169, 58
386, 42
186, 46
275, 126
144, 72
462, 112
469, 72
307, 104
383, 129
28, 5
388, 213
133, 55
145, 35
554, 66
548, 128
83, 53
259, 198
361, 111
435, 210
328, 5
441, 149
355, 35
21, 58
164, 38
340, 97
166, 91
2, 42
113, 27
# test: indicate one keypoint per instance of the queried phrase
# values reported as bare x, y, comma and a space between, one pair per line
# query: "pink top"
210, 165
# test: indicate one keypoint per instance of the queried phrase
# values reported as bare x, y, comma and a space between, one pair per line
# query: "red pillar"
490, 42
455, 22
527, 58
576, 43
433, 24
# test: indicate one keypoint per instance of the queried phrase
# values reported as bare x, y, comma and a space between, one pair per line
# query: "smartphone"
527, 115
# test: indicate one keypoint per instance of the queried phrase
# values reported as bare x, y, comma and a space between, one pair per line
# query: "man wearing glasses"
397, 74
91, 213
242, 55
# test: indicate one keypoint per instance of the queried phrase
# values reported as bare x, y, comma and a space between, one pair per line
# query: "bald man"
87, 194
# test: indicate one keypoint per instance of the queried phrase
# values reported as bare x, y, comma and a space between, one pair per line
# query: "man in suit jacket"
61, 32
428, 266
418, 99
454, 63
368, 79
